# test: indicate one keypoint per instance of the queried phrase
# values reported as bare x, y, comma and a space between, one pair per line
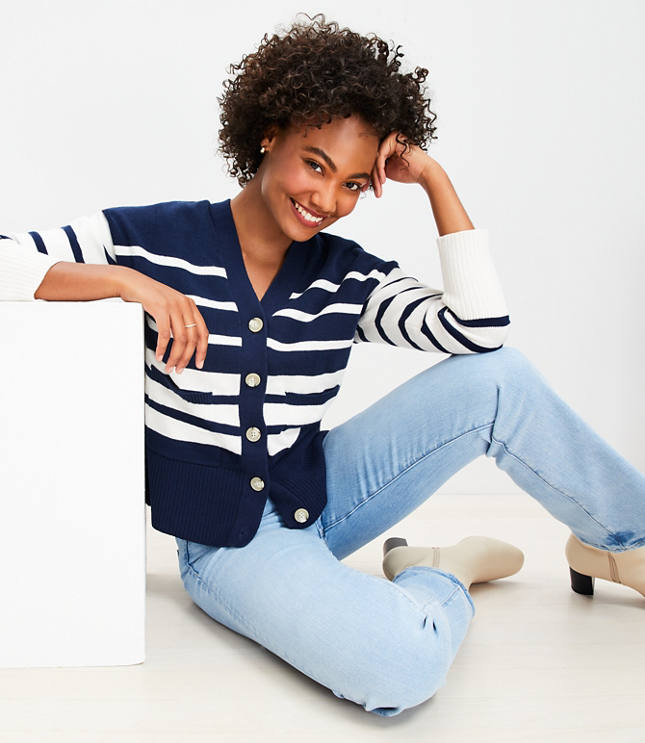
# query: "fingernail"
200, 364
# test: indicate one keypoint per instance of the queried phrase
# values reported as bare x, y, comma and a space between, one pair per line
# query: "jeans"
388, 645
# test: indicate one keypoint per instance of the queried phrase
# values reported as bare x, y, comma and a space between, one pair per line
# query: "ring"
190, 325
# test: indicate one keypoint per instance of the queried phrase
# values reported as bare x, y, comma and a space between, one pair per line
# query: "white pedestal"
72, 479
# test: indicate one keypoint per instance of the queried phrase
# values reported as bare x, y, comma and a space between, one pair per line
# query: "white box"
72, 483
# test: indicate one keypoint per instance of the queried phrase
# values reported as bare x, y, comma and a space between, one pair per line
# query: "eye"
314, 163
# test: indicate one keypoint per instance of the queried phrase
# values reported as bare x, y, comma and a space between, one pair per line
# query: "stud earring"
263, 149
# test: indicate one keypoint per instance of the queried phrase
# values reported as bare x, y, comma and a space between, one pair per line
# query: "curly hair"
313, 73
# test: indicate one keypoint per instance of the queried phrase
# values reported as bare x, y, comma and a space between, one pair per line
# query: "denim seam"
402, 472
566, 495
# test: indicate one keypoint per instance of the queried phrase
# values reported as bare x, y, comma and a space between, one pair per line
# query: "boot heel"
388, 544
581, 583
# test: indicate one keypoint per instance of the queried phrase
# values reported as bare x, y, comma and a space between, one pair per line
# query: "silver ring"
191, 325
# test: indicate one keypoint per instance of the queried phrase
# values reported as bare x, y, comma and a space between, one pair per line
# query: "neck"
260, 236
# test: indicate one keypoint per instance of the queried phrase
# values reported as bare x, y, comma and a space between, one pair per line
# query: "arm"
81, 281
77, 261
469, 315
449, 214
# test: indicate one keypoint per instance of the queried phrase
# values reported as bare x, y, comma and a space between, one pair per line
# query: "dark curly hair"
313, 73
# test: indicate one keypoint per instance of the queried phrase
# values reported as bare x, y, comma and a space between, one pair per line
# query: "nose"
323, 199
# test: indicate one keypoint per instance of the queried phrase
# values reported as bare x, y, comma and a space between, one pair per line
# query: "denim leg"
384, 645
388, 459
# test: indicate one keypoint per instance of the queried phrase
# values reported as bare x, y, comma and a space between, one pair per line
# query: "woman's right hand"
172, 311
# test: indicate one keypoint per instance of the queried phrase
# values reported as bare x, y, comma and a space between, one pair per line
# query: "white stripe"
214, 303
305, 384
287, 414
213, 339
332, 287
344, 308
276, 442
308, 345
182, 431
94, 237
198, 380
57, 244
226, 414
169, 260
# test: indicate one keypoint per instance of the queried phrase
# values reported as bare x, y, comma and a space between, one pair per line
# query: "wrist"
429, 173
120, 279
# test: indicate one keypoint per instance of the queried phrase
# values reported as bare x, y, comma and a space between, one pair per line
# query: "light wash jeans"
385, 645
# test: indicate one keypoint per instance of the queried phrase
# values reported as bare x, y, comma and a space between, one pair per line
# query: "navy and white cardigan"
220, 439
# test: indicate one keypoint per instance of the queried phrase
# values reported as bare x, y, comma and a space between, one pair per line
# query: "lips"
301, 219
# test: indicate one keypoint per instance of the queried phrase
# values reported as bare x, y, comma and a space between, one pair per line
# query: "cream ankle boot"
472, 560
587, 563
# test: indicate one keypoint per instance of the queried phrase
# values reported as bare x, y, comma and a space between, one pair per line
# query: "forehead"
348, 139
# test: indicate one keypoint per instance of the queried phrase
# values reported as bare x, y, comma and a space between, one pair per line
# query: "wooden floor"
540, 663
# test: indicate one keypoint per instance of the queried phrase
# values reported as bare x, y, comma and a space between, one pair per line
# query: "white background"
540, 111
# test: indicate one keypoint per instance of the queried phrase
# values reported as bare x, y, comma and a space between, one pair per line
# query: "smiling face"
310, 178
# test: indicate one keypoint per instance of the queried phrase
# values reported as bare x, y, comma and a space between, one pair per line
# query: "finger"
375, 182
202, 343
189, 348
163, 335
197, 337
179, 338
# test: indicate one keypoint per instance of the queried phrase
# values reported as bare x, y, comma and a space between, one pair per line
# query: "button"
301, 515
252, 379
253, 433
257, 483
255, 324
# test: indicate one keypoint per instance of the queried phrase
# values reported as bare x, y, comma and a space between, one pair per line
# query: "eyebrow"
330, 162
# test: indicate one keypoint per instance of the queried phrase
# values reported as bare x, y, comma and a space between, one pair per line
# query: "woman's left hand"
390, 164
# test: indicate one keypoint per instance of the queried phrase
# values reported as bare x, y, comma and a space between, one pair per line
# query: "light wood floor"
540, 663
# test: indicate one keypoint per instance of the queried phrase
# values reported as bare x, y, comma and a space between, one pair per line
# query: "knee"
508, 363
413, 671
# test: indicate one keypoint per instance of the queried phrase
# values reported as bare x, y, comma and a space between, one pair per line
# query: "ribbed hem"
471, 286
22, 271
197, 502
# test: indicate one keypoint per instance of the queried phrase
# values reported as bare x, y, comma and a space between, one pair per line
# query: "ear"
269, 135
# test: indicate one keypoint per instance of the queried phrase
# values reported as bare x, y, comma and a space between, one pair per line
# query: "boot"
587, 563
472, 560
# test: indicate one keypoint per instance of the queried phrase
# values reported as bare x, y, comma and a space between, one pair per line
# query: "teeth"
306, 215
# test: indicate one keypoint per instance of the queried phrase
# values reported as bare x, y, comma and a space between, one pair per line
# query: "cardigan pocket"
189, 395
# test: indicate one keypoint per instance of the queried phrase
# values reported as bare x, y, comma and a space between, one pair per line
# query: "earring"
263, 149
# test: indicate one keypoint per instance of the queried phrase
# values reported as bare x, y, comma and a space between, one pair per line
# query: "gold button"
257, 483
301, 515
255, 324
252, 379
253, 433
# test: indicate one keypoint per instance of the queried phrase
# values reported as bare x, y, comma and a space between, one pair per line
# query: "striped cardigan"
221, 439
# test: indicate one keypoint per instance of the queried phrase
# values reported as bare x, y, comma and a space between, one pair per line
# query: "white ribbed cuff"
21, 271
471, 286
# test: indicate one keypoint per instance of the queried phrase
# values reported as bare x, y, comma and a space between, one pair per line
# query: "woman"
263, 504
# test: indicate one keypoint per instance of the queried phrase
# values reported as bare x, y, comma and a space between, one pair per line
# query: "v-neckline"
233, 260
